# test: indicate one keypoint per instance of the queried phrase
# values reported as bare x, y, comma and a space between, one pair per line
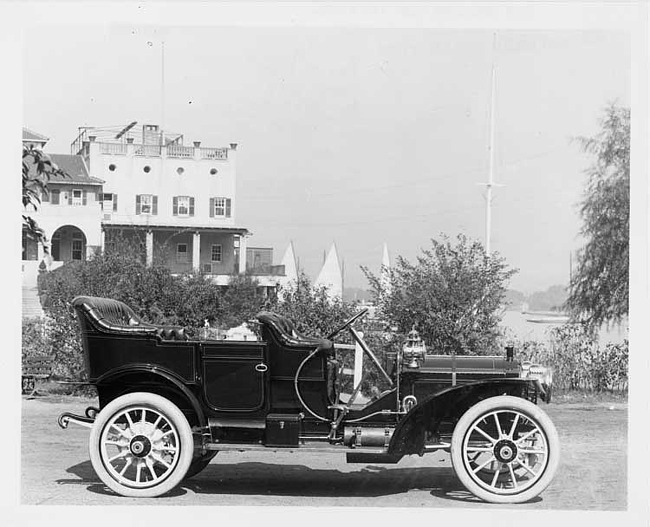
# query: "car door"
235, 376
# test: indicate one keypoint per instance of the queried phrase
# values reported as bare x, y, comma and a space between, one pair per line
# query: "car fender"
410, 434
118, 376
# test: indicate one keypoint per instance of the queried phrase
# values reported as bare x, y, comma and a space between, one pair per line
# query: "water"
520, 328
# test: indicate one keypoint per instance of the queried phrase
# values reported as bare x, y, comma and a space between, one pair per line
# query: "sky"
357, 136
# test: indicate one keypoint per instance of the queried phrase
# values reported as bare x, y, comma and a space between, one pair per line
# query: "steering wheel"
347, 323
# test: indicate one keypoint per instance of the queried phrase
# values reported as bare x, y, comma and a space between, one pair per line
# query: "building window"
216, 253
109, 201
183, 206
146, 204
220, 207
77, 248
77, 197
181, 253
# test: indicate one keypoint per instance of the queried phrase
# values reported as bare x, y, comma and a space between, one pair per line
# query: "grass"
579, 396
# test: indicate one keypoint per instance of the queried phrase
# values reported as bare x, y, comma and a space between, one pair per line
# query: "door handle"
261, 367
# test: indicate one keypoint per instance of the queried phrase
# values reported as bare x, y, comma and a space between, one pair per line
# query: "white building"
172, 203
69, 214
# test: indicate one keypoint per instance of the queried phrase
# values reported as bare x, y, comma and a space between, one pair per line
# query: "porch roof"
201, 229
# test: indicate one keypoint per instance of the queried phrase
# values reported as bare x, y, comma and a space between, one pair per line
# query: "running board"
244, 447
369, 457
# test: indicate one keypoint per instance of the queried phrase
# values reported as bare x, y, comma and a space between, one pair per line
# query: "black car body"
168, 404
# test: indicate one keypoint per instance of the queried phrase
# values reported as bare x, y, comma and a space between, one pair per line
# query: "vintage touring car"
168, 404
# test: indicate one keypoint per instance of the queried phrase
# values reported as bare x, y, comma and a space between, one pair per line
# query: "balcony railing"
214, 153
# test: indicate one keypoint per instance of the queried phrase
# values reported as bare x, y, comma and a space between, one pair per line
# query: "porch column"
40, 252
196, 251
149, 247
102, 240
242, 253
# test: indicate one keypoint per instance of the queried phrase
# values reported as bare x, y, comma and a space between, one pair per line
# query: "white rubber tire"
473, 416
181, 432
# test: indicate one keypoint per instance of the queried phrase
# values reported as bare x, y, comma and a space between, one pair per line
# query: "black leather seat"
285, 333
106, 315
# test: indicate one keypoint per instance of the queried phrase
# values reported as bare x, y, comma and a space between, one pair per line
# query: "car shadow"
85, 475
269, 479
256, 478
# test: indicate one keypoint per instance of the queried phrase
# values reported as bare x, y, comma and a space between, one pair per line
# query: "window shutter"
70, 198
154, 205
84, 197
175, 206
191, 206
212, 207
228, 207
114, 202
137, 204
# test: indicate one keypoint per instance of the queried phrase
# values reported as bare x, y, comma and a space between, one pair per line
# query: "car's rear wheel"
141, 445
505, 450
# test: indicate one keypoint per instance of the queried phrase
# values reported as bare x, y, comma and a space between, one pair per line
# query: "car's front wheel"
141, 445
505, 450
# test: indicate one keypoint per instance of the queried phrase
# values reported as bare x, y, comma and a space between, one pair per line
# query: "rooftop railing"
113, 148
147, 150
214, 153
171, 150
180, 151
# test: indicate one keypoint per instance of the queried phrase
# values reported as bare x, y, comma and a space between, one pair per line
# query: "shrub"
152, 292
36, 339
311, 308
578, 361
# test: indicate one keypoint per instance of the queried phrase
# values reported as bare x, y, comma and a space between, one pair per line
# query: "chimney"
151, 135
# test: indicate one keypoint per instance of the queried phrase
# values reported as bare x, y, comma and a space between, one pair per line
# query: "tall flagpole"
490, 182
162, 93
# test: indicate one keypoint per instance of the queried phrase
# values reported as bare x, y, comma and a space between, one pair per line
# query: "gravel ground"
592, 473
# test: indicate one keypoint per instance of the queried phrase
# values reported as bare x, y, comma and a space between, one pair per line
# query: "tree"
599, 287
38, 168
452, 295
